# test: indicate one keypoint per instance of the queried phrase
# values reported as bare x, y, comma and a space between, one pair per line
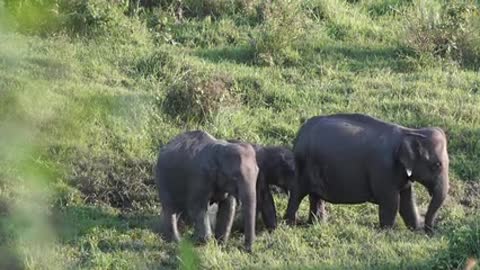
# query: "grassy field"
90, 89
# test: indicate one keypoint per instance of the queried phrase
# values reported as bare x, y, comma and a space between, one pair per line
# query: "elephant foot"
386, 228
271, 229
429, 230
202, 240
171, 238
291, 221
317, 219
220, 241
248, 249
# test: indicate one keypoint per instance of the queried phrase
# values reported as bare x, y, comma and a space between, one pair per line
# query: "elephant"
355, 158
277, 168
194, 170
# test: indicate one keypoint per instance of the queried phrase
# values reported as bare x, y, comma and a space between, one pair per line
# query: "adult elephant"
276, 168
193, 170
355, 158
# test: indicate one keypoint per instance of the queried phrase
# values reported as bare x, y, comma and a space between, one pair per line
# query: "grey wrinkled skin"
195, 170
277, 168
355, 158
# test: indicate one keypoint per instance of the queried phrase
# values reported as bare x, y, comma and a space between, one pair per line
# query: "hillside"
90, 89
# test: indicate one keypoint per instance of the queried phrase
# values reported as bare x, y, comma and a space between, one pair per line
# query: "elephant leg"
292, 208
268, 211
408, 209
212, 215
169, 226
297, 194
225, 215
388, 209
317, 209
203, 231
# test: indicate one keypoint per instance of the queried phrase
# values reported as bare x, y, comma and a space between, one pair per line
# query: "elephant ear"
216, 167
209, 166
408, 151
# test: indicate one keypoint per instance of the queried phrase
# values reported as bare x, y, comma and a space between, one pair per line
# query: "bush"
284, 27
447, 31
198, 96
191, 94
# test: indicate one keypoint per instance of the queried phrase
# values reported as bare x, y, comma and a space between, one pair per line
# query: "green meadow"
91, 89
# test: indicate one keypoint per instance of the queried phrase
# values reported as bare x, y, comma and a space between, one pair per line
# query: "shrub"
447, 31
191, 94
284, 27
197, 96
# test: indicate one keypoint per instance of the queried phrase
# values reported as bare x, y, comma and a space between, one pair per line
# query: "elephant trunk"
439, 194
248, 198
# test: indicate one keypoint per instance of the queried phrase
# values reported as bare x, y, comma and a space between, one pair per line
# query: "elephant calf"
355, 158
193, 170
277, 168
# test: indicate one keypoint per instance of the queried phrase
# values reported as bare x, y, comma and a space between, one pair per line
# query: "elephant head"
278, 165
424, 158
287, 177
236, 173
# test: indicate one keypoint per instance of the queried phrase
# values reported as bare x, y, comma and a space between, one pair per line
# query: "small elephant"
277, 168
355, 158
194, 170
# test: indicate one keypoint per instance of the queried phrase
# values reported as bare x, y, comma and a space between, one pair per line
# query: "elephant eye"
436, 166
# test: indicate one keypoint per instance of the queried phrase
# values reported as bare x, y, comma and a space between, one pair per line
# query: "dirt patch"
471, 196
117, 181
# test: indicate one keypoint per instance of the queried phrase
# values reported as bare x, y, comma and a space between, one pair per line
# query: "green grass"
84, 110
